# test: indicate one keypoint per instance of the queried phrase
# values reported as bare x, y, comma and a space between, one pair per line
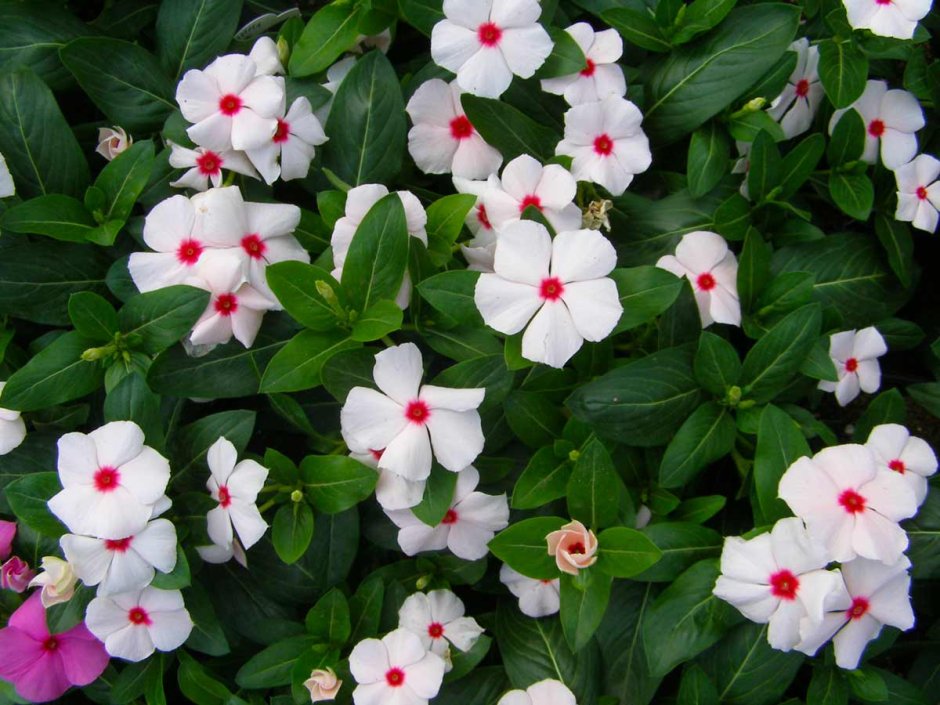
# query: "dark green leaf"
191, 33
779, 444
707, 435
92, 316
56, 216
624, 553
298, 286
523, 547
163, 316
365, 609
827, 687
716, 364
753, 269
328, 620
332, 30
566, 57
895, 237
681, 544
123, 180
887, 407
843, 70
594, 487
335, 483
271, 667
438, 496
583, 603
764, 174
54, 376
645, 292
709, 152
853, 193
544, 479
452, 293
700, 16
535, 419
509, 130
799, 164
31, 35
445, 221
297, 366
637, 27
848, 139
28, 497
696, 688
292, 531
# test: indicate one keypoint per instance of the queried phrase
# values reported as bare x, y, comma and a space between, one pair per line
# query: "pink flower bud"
112, 141
15, 575
323, 685
573, 546
7, 533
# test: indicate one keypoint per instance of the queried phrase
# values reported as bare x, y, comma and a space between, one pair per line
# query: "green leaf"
438, 496
452, 293
509, 130
367, 125
799, 163
853, 193
544, 479
298, 365
594, 487
328, 621
191, 33
624, 553
867, 685
57, 374
717, 366
335, 483
700, 16
645, 292
779, 444
626, 674
745, 128
380, 319
535, 419
764, 174
332, 30
709, 153
365, 608
178, 578
753, 269
445, 221
295, 284
698, 510
271, 667
566, 57
887, 407
197, 685
124, 80
123, 180
28, 497
523, 547
292, 531
132, 400
583, 602
827, 687
207, 636
682, 544
31, 35
707, 435
135, 679
194, 440
638, 27
895, 237
699, 80
488, 372
93, 316
163, 316
848, 139
56, 216
843, 70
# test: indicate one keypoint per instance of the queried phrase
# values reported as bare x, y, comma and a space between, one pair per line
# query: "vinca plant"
469, 352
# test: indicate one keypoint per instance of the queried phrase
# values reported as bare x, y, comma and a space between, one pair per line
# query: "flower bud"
573, 546
112, 141
322, 684
57, 581
15, 575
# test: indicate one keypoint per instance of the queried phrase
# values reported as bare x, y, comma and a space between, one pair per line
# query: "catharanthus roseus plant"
469, 352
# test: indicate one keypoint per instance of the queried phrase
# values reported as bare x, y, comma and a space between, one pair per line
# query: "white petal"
582, 255
117, 442
897, 147
701, 251
523, 253
370, 420
170, 630
146, 476
452, 399
132, 643
505, 305
248, 522
219, 526
485, 73
157, 545
452, 46
409, 453
594, 307
551, 337
398, 372
457, 437
368, 661
890, 495
852, 639
87, 556
221, 459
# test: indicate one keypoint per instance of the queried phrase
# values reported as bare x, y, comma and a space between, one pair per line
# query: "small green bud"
95, 354
296, 496
734, 395
574, 455
423, 582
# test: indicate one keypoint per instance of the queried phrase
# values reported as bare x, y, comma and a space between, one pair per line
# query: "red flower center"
377, 454
705, 281
188, 252
483, 217
226, 304
603, 145
802, 88
851, 365
450, 517
209, 163
230, 104
50, 644
883, 2
898, 466
225, 497
784, 584
922, 193
858, 609
436, 630
138, 615
395, 677
589, 67
417, 412
852, 502
118, 545
530, 200
281, 132
489, 34
577, 548
254, 246
876, 128
107, 479
460, 128
551, 289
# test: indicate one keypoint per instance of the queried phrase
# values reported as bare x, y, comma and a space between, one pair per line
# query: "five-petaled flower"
525, 182
887, 18
235, 487
438, 620
291, 148
546, 692
855, 357
537, 598
796, 106
205, 165
573, 546
323, 685
601, 76
896, 450
112, 141
133, 624
395, 669
919, 192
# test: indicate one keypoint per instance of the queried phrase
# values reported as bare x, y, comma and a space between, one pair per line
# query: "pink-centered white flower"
205, 165
134, 624
558, 290
849, 505
891, 118
437, 618
467, 527
407, 420
395, 669
266, 56
919, 192
111, 481
606, 143
537, 598
443, 140
896, 450
546, 692
796, 106
12, 428
601, 76
112, 141
778, 578
230, 104
122, 565
887, 18
235, 487
392, 491
875, 595
485, 42
292, 146
704, 259
57, 581
480, 249
855, 357
573, 546
525, 182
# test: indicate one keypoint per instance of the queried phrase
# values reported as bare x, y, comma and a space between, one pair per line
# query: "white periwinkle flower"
392, 491
12, 428
205, 165
601, 76
57, 581
112, 141
235, 487
292, 146
896, 450
537, 598
479, 250
547, 692
919, 192
796, 106
266, 57
438, 619
396, 669
887, 18
855, 357
525, 182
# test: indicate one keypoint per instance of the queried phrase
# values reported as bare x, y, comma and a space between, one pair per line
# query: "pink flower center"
852, 502
460, 128
530, 200
851, 365
876, 128
922, 193
254, 246
577, 548
858, 609
225, 498
450, 517
589, 67
417, 412
107, 479
802, 88
50, 644
551, 289
230, 104
603, 145
489, 34
377, 454
226, 304
209, 163
436, 630
882, 2
118, 545
188, 252
705, 281
281, 132
395, 677
139, 616
483, 217
784, 584
898, 466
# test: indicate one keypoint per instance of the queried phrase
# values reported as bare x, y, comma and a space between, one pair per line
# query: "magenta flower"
15, 574
42, 666
7, 533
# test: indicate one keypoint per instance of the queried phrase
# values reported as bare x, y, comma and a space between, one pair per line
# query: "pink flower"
7, 534
15, 575
573, 546
323, 685
112, 141
42, 666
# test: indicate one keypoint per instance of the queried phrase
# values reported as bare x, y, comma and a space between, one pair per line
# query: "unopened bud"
95, 354
296, 496
422, 582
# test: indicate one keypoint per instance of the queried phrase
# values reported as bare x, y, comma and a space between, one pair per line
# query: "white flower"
855, 357
485, 42
111, 481
396, 669
704, 259
796, 106
525, 182
468, 526
205, 165
57, 581
919, 192
7, 187
323, 685
266, 57
235, 488
876, 595
848, 505
443, 140
438, 620
887, 18
392, 490
778, 578
12, 428
407, 419
537, 598
133, 624
334, 77
479, 250
896, 450
557, 290
606, 143
891, 118
223, 554
231, 105
546, 692
122, 565
293, 142
112, 141
601, 76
